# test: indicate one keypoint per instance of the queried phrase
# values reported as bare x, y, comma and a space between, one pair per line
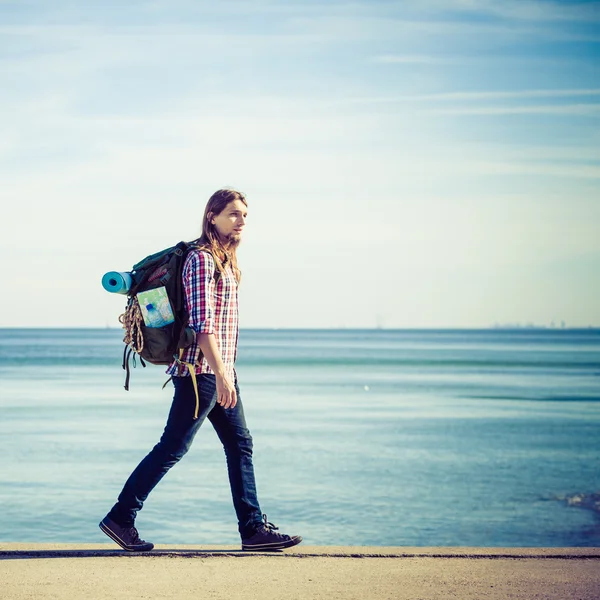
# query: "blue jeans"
176, 440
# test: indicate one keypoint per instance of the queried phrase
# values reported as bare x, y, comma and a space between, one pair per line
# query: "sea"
486, 438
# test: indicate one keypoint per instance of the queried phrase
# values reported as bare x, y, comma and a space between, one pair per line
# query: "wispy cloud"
521, 10
473, 96
489, 95
412, 59
542, 109
533, 168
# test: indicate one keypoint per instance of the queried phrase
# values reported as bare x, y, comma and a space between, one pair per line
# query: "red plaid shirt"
213, 308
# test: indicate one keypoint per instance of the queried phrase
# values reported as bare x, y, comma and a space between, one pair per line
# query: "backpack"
156, 328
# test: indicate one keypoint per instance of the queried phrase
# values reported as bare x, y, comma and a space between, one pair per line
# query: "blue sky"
407, 164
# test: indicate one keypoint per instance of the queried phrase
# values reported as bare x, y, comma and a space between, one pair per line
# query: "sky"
407, 164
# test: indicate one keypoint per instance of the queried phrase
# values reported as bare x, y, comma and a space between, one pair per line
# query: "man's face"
231, 221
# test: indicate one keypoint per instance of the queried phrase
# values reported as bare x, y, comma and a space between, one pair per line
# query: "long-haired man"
210, 280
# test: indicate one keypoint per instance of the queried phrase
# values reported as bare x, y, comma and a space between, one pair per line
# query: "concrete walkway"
100, 571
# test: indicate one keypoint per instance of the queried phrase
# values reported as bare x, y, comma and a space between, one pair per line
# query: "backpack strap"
126, 356
192, 371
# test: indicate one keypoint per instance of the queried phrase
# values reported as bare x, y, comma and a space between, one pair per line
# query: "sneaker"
266, 537
126, 537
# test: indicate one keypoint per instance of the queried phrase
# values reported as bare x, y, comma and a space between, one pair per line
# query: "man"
210, 279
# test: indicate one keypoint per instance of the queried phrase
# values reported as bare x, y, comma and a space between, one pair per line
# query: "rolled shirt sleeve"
199, 281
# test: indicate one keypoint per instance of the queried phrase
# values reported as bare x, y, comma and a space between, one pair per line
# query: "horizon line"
509, 327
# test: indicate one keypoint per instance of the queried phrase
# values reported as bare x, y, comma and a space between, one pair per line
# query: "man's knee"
240, 442
173, 449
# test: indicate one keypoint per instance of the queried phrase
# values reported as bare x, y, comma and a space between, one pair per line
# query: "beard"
233, 240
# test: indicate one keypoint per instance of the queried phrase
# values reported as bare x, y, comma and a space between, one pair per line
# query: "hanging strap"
126, 356
192, 371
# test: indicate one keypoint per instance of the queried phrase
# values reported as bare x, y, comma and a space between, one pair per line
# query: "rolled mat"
117, 283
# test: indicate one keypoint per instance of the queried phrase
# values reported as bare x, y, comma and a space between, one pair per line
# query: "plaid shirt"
213, 308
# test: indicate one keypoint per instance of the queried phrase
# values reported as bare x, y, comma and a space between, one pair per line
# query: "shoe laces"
272, 529
135, 536
269, 526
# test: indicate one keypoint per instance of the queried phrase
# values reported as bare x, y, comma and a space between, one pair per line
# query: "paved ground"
94, 572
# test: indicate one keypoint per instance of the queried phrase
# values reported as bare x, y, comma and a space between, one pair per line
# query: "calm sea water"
415, 438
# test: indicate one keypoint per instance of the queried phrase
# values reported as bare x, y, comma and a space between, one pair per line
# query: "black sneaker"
126, 537
266, 537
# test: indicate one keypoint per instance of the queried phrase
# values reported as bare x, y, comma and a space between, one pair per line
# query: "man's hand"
226, 395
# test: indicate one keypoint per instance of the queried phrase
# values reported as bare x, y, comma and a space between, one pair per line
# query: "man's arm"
199, 283
226, 395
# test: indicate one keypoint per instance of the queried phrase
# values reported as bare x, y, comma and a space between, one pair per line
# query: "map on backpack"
155, 307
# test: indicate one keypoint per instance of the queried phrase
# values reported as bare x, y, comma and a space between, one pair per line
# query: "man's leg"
230, 425
175, 441
256, 532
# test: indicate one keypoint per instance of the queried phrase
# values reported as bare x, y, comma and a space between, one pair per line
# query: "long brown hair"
209, 240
